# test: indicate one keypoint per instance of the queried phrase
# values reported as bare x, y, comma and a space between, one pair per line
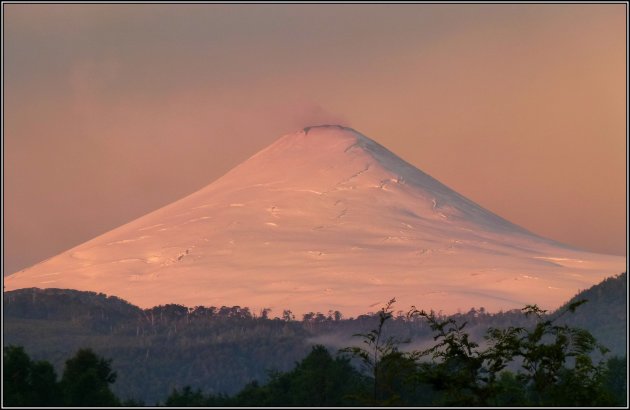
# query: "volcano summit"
324, 218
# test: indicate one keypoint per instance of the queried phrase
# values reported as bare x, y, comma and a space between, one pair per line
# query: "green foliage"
605, 314
380, 358
616, 380
528, 357
16, 376
45, 391
545, 352
318, 380
86, 380
189, 398
27, 383
507, 391
555, 360
456, 370
391, 371
396, 373
155, 350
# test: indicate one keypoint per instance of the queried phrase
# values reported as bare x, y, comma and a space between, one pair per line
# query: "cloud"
309, 114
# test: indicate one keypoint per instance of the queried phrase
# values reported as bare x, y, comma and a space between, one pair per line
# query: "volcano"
324, 219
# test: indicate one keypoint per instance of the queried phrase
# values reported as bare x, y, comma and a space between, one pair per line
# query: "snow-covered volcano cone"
322, 219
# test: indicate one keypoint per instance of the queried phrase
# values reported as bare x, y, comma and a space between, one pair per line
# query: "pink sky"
114, 110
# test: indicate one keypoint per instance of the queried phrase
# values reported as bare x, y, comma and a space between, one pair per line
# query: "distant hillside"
220, 349
605, 313
67, 304
153, 350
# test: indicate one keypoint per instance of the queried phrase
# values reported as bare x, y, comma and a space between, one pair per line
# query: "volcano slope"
324, 219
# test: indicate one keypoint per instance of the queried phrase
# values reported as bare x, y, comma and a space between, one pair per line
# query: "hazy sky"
111, 111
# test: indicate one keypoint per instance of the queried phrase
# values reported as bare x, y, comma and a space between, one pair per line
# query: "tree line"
85, 381
547, 363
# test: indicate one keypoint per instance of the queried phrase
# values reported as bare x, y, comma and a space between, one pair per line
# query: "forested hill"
605, 313
220, 349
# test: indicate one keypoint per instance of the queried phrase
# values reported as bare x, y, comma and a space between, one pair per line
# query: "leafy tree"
556, 367
546, 351
457, 370
44, 385
187, 398
389, 368
28, 383
397, 381
287, 315
508, 391
86, 379
253, 394
318, 380
580, 386
321, 380
616, 380
15, 377
220, 349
